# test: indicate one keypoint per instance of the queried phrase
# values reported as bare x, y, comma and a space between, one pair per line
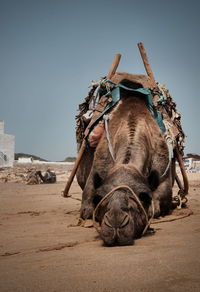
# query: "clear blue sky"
51, 50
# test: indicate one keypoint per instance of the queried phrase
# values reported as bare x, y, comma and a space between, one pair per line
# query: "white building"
188, 163
25, 160
191, 164
7, 147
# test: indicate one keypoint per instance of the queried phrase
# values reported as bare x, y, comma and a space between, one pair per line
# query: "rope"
106, 118
96, 98
157, 221
148, 221
170, 141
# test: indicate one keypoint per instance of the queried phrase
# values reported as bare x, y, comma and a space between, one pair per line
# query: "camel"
36, 177
128, 178
49, 177
123, 189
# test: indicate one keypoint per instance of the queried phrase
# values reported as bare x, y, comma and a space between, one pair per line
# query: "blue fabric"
116, 96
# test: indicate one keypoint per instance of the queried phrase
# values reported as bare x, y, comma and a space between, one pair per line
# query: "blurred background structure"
7, 147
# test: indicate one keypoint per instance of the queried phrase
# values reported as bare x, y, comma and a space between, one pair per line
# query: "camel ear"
97, 180
154, 180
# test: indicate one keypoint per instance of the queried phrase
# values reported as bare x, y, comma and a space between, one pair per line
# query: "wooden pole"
114, 66
74, 170
146, 62
183, 172
111, 72
151, 76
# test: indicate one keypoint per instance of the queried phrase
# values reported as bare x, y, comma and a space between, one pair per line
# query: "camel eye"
96, 200
97, 180
125, 209
145, 198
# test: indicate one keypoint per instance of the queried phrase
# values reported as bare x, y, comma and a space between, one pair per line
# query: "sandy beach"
42, 249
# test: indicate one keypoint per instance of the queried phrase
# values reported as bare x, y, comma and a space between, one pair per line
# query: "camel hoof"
65, 195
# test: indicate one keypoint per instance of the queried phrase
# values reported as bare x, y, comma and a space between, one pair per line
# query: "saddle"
158, 100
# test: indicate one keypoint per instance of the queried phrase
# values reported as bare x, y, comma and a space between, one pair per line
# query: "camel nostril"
106, 221
125, 221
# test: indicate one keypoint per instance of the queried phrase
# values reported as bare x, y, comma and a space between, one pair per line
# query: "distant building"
188, 162
25, 160
191, 164
7, 147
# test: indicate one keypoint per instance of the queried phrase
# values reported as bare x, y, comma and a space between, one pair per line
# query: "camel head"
123, 212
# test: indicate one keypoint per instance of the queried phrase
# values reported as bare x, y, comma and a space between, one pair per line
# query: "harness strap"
106, 118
